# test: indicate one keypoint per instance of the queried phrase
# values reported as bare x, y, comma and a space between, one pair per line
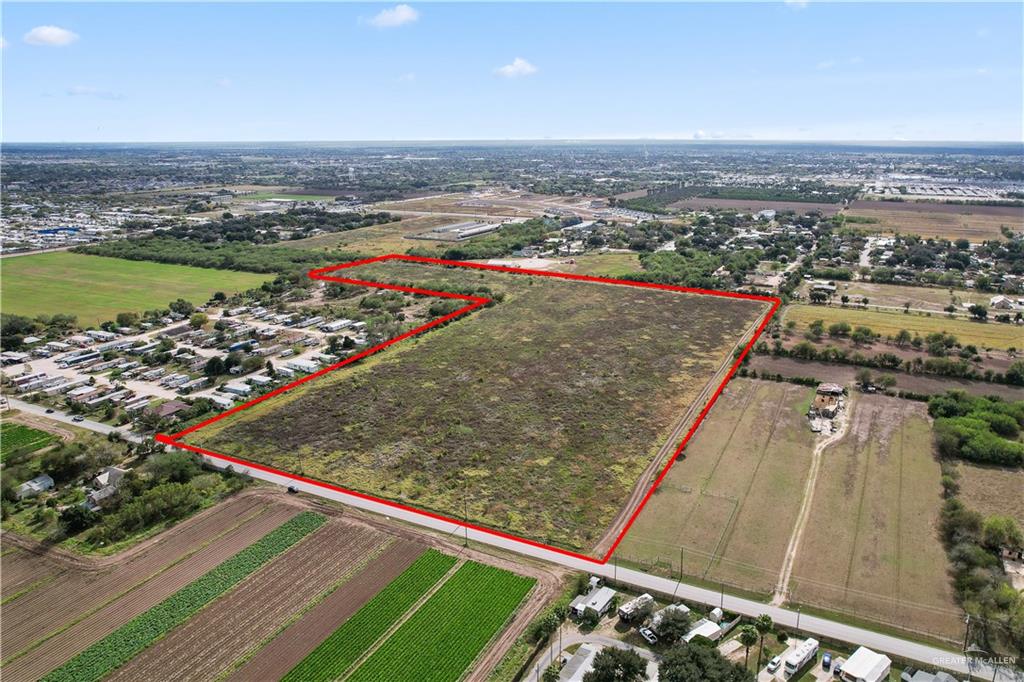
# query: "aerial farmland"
537, 416
283, 584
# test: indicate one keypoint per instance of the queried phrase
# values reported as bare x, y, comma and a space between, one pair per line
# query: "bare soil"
206, 645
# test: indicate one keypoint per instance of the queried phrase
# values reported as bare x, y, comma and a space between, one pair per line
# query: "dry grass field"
537, 416
871, 545
603, 264
898, 295
982, 334
376, 239
975, 224
993, 490
751, 455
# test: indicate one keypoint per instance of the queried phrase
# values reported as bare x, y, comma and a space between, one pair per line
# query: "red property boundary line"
474, 303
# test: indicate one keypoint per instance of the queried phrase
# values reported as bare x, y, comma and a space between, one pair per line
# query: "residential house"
37, 485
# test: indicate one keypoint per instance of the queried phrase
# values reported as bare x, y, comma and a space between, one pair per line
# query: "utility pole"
798, 619
676, 588
465, 513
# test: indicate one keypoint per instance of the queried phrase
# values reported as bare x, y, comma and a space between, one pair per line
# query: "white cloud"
89, 91
797, 4
827, 64
51, 36
518, 67
223, 83
982, 71
700, 135
855, 60
407, 77
3, 43
983, 32
399, 15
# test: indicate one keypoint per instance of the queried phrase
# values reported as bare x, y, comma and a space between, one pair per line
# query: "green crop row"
16, 438
127, 641
346, 644
445, 635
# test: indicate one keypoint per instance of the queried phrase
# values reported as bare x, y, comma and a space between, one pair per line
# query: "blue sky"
782, 71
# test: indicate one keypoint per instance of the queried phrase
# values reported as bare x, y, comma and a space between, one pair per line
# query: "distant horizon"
743, 72
527, 140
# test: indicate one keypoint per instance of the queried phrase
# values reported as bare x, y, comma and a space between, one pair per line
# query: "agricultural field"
100, 595
974, 223
377, 239
564, 394
338, 652
871, 544
209, 643
445, 635
751, 454
244, 591
120, 646
96, 288
992, 490
751, 205
20, 439
996, 335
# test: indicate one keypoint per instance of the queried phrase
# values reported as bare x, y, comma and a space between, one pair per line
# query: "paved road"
922, 653
58, 416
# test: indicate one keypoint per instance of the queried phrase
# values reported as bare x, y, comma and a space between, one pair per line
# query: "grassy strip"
131, 638
346, 644
22, 592
447, 633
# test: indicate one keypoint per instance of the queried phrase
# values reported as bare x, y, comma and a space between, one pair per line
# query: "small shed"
37, 485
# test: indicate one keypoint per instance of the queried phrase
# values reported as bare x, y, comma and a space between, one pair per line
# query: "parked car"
837, 669
826, 660
774, 664
293, 490
78, 418
649, 635
50, 410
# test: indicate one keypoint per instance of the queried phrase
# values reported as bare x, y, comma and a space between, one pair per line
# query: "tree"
978, 312
839, 329
693, 663
864, 377
182, 307
844, 299
748, 637
76, 518
219, 296
818, 297
902, 338
617, 665
1000, 532
551, 673
764, 625
815, 329
214, 367
673, 625
198, 320
127, 319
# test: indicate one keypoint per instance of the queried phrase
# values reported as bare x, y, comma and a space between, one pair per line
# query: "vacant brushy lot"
535, 416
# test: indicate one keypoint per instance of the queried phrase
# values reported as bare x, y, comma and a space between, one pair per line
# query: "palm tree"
748, 638
763, 624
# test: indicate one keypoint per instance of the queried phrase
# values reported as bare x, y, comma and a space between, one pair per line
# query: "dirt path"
653, 469
782, 587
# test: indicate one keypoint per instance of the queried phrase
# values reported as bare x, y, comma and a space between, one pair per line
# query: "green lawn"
96, 288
